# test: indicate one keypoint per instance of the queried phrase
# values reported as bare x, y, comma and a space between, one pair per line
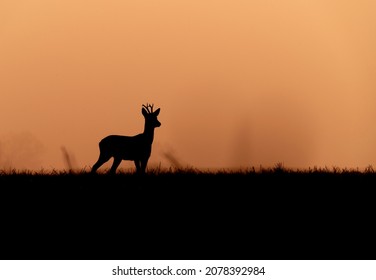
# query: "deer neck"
149, 133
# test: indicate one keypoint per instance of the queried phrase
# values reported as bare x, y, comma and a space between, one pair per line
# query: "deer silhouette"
136, 148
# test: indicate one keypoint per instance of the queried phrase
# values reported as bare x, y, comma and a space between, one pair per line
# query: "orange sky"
239, 83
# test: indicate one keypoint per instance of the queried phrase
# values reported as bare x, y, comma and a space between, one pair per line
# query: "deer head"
150, 116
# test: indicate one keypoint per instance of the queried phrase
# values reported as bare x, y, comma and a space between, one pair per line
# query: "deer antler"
148, 107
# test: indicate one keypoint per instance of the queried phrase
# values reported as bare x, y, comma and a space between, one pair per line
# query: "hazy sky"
239, 83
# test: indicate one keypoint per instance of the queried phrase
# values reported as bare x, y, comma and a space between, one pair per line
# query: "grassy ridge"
158, 175
272, 213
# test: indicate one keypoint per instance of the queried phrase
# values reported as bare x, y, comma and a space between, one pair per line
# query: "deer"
135, 148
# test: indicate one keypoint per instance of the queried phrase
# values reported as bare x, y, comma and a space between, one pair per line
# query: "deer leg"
144, 163
101, 160
138, 166
115, 165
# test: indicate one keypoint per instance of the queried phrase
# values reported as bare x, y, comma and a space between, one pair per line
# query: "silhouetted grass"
277, 175
278, 168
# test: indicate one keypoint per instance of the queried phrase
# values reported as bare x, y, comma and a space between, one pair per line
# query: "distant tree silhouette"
136, 148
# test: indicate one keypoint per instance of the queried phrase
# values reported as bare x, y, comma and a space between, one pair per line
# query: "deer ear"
144, 112
156, 113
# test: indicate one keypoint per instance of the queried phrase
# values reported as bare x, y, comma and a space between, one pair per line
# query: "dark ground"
276, 215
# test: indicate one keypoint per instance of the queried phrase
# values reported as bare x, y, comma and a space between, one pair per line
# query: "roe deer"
136, 148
